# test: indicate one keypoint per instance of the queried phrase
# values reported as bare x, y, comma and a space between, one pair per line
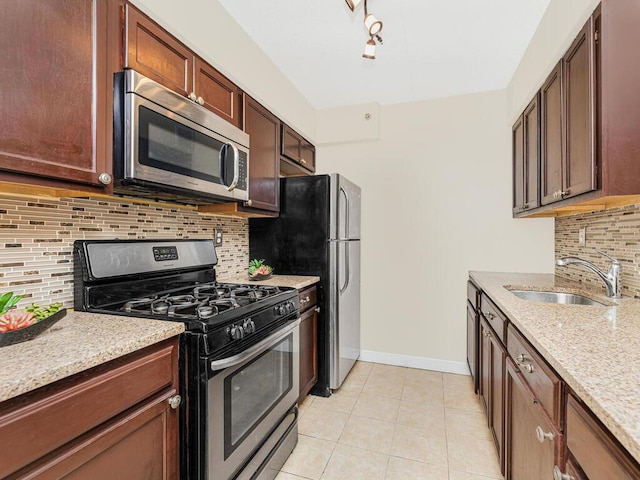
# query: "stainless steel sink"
555, 297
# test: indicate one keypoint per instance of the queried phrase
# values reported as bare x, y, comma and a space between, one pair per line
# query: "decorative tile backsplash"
616, 232
37, 235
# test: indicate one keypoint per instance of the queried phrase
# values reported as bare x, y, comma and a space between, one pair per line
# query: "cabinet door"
53, 88
291, 144
517, 147
579, 94
308, 156
484, 369
531, 150
532, 443
472, 344
264, 161
151, 51
551, 133
218, 93
141, 444
496, 395
308, 352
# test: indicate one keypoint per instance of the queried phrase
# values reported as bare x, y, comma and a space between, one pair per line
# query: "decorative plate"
32, 331
258, 277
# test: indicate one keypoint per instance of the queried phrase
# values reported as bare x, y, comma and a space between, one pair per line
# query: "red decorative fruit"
14, 320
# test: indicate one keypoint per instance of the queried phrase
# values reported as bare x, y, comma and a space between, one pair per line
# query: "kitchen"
455, 199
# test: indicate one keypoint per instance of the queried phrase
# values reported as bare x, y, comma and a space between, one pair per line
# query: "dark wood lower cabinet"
308, 341
532, 442
492, 367
114, 421
472, 344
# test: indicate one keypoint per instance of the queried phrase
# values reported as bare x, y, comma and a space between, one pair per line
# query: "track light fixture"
373, 26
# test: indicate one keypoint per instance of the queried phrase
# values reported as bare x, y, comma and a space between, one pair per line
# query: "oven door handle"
217, 365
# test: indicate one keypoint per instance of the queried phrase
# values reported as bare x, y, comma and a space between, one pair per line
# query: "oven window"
251, 392
172, 146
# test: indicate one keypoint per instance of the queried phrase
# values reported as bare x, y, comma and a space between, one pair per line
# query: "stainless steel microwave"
167, 147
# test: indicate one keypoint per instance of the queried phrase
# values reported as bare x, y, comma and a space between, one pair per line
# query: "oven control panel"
162, 254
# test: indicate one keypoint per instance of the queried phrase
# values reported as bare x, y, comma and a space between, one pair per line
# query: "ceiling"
432, 48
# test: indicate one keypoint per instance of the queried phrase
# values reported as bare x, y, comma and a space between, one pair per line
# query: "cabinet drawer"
308, 298
493, 315
598, 455
539, 376
473, 294
39, 423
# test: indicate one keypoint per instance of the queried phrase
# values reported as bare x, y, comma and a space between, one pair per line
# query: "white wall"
436, 190
207, 28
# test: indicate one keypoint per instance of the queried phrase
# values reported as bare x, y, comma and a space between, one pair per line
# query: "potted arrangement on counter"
258, 270
19, 325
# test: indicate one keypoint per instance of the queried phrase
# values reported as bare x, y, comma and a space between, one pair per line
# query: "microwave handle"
236, 166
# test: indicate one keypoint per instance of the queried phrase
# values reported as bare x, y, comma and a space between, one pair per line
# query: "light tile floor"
394, 423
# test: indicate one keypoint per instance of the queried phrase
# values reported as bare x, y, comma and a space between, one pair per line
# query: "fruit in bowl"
258, 270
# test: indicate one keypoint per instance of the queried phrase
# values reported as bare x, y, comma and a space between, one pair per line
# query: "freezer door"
344, 326
345, 209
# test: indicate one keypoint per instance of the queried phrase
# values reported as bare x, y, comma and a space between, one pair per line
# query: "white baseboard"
423, 363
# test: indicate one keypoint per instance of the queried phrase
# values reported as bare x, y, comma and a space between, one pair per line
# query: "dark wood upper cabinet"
54, 114
217, 92
155, 53
526, 158
579, 115
551, 130
264, 130
298, 150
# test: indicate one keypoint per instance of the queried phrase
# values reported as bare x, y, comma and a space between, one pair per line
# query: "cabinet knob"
104, 178
541, 435
563, 193
558, 475
192, 96
305, 299
489, 315
487, 334
175, 401
303, 161
248, 203
317, 309
200, 101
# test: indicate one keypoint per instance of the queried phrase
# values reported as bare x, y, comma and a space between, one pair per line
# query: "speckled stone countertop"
295, 281
595, 349
77, 342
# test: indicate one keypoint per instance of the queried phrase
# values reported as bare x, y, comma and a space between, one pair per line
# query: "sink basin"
555, 297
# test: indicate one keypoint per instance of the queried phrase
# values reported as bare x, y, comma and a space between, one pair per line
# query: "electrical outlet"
582, 236
218, 237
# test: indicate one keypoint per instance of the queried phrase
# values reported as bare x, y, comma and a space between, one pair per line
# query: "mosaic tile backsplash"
37, 235
616, 232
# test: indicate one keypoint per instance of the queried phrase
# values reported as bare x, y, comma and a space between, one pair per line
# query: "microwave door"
167, 150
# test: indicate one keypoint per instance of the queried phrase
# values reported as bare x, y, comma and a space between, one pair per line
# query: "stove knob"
236, 332
248, 326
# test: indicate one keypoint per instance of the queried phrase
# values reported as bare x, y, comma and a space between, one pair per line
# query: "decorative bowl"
258, 277
32, 331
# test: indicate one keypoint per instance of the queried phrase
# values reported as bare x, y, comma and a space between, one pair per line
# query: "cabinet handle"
303, 161
520, 361
563, 193
192, 96
200, 101
541, 434
175, 401
317, 309
489, 315
105, 178
487, 334
305, 299
558, 475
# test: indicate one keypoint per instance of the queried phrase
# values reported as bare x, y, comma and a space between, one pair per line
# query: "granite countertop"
295, 281
595, 349
77, 342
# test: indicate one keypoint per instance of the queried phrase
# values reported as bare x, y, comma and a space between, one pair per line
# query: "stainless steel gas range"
239, 354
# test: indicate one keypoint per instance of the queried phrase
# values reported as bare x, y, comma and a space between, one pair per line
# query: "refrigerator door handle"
346, 213
347, 272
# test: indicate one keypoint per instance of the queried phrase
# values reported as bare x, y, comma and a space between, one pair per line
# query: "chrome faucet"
611, 279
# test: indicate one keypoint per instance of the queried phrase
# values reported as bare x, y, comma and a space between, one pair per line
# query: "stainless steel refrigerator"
318, 233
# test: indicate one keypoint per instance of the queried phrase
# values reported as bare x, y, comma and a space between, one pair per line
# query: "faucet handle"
614, 261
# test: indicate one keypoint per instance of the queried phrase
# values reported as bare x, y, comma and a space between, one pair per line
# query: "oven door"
249, 395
